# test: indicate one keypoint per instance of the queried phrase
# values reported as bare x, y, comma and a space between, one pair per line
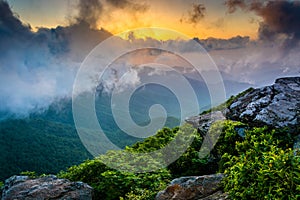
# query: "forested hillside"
38, 145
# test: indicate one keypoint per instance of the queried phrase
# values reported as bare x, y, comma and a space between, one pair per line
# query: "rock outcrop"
277, 105
203, 122
194, 188
49, 187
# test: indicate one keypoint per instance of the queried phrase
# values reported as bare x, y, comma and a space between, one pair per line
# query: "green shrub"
30, 174
227, 130
88, 172
143, 194
262, 170
225, 134
117, 184
189, 162
112, 184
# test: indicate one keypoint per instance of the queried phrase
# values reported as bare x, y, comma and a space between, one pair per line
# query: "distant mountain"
46, 141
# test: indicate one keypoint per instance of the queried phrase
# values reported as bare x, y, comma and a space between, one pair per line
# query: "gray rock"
277, 105
49, 187
219, 195
203, 122
192, 188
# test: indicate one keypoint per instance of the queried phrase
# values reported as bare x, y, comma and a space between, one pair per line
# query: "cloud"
232, 5
196, 14
280, 19
128, 4
219, 44
12, 30
37, 67
93, 12
89, 11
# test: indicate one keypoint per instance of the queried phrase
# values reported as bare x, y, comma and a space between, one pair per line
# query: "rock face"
49, 187
277, 105
193, 188
203, 122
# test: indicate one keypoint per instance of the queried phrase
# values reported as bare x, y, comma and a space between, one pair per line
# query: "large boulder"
49, 187
277, 105
193, 188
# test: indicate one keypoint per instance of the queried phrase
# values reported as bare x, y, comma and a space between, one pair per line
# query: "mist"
37, 68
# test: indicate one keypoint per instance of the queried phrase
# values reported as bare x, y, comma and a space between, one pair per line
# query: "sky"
173, 14
44, 43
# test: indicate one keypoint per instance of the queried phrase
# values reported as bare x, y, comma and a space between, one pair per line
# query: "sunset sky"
172, 14
43, 43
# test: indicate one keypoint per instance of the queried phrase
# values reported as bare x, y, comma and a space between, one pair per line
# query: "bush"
228, 136
112, 184
30, 174
117, 184
262, 170
189, 162
140, 195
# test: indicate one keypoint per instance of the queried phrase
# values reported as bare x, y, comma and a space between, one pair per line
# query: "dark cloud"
245, 5
196, 14
11, 28
127, 4
36, 67
89, 11
280, 18
232, 5
9, 23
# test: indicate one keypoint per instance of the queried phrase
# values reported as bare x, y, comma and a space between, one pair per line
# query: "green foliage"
38, 145
158, 141
47, 141
189, 162
228, 136
143, 194
30, 174
228, 132
113, 184
262, 170
109, 183
117, 184
87, 171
